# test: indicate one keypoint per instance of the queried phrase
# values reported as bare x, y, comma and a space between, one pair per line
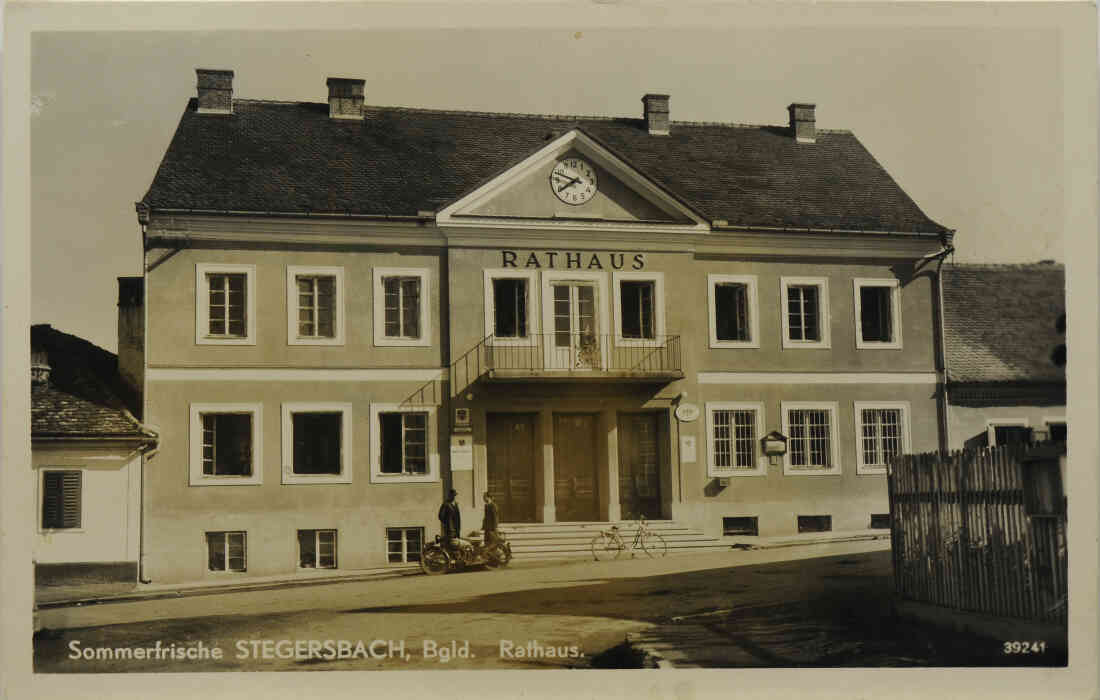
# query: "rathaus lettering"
574, 261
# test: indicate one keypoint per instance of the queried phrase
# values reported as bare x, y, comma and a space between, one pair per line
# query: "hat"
452, 493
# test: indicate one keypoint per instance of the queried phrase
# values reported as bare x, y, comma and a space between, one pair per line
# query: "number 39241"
1025, 647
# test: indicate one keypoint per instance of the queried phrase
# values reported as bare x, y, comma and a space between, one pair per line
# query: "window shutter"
61, 499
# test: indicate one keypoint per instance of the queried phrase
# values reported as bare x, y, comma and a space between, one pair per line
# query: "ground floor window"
734, 438
815, 523
883, 432
1057, 431
811, 438
226, 551
1008, 432
403, 544
404, 442
745, 525
316, 443
226, 444
61, 499
317, 549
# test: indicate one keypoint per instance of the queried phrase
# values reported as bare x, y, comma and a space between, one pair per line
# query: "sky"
968, 120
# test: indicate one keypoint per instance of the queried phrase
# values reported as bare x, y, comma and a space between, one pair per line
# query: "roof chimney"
215, 91
656, 114
345, 98
803, 125
40, 367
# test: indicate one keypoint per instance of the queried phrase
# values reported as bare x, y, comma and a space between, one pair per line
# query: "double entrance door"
511, 449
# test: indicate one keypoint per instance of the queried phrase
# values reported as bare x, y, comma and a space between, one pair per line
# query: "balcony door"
576, 341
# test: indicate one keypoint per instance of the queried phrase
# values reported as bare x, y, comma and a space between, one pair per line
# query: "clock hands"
571, 181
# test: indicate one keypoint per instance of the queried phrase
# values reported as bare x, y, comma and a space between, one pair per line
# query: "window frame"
823, 315
1048, 421
195, 475
225, 534
992, 424
715, 279
292, 308
533, 315
380, 337
432, 448
317, 548
42, 498
906, 444
658, 280
834, 444
202, 303
761, 468
895, 313
346, 442
404, 543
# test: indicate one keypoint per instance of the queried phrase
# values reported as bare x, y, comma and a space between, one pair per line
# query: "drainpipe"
941, 398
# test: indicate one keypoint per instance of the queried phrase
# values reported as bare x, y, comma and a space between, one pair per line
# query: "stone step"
574, 539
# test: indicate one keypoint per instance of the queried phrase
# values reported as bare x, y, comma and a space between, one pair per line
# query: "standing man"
491, 520
450, 520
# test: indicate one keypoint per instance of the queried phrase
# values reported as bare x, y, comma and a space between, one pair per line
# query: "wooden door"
576, 488
639, 465
511, 465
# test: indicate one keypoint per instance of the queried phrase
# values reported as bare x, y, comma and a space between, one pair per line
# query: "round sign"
687, 412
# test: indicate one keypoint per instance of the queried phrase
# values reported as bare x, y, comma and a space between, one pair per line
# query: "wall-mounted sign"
462, 453
687, 449
687, 412
570, 260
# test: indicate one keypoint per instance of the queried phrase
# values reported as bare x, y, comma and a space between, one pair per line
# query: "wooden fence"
962, 537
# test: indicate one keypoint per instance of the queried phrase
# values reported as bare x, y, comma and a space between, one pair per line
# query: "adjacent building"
349, 309
1004, 330
86, 451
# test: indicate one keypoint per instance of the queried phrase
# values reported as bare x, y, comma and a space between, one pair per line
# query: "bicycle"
609, 544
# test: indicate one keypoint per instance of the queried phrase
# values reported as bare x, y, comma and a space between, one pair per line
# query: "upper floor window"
733, 311
509, 305
805, 312
401, 306
225, 304
315, 305
878, 313
810, 428
62, 499
316, 443
639, 301
883, 434
225, 444
403, 443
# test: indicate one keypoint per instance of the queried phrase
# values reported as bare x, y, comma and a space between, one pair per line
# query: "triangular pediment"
572, 181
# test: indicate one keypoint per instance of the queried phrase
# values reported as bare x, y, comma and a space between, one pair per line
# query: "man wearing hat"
450, 520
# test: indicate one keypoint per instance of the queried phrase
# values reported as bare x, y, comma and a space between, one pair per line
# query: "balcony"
570, 357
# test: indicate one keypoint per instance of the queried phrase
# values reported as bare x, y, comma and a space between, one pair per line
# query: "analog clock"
573, 180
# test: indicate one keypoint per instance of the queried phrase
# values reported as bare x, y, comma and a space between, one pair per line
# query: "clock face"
573, 180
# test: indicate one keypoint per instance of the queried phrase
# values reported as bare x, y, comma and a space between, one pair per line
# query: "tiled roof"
291, 157
1001, 322
83, 397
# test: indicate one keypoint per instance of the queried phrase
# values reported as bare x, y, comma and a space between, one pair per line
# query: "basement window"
815, 523
740, 526
880, 521
61, 499
226, 551
403, 544
317, 549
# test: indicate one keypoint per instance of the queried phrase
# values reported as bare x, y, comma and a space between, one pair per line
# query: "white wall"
110, 508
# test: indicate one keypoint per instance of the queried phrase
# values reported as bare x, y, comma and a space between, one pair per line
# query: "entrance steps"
573, 540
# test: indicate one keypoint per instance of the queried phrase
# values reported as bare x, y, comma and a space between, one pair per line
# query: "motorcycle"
467, 552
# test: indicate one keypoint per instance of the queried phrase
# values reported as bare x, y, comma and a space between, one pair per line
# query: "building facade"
351, 309
1005, 354
86, 452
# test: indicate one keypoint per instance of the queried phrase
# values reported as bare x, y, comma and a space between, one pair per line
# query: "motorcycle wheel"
433, 561
497, 557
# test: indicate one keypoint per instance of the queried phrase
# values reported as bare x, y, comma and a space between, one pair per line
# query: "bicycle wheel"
605, 547
654, 545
